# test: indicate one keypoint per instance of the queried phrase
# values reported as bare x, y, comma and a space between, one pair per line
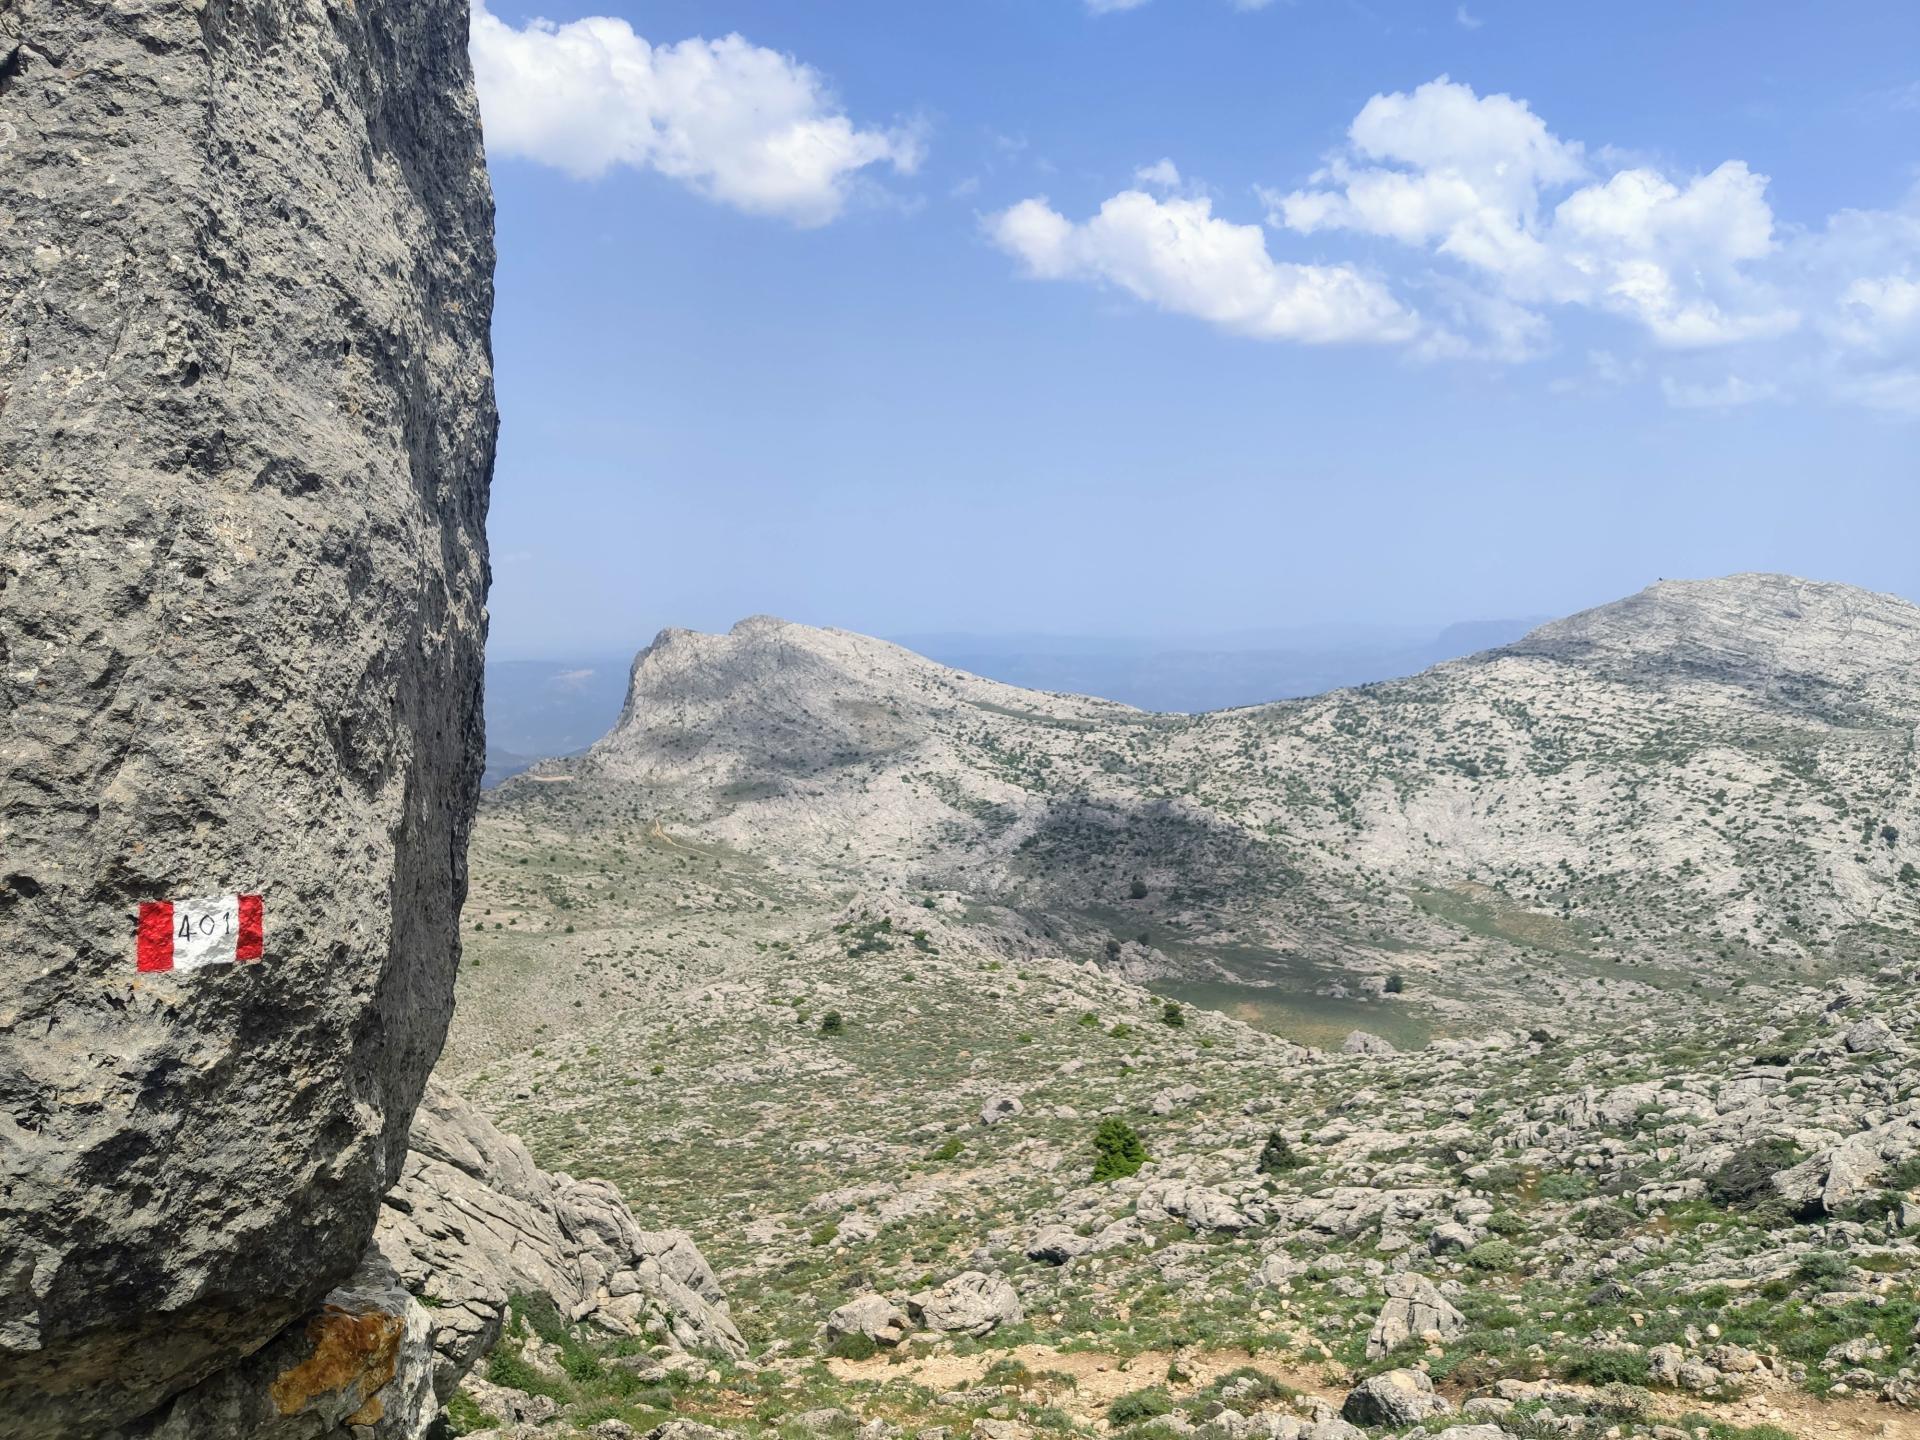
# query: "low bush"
1745, 1181
1137, 1405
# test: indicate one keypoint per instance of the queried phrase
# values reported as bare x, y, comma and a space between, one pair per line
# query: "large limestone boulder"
246, 431
474, 1222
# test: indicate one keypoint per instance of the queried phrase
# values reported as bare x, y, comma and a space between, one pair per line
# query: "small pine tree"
832, 1023
1277, 1156
1396, 984
1117, 1151
1137, 890
1172, 1014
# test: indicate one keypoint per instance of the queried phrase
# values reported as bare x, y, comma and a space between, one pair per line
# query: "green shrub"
1492, 1255
506, 1367
1820, 1266
1607, 1366
1137, 1405
1565, 1186
950, 1148
1172, 1014
1277, 1156
1505, 1222
1138, 889
465, 1417
1396, 984
854, 1347
832, 1023
1745, 1182
1117, 1151
1606, 1222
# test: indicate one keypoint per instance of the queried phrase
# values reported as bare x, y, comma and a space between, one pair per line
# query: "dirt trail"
1100, 1378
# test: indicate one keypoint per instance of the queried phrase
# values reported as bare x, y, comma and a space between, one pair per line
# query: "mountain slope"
1700, 774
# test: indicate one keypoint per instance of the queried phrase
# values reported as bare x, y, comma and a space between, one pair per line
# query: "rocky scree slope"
1664, 1202
246, 434
1711, 774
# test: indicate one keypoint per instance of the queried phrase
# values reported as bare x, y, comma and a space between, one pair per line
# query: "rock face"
246, 434
474, 1222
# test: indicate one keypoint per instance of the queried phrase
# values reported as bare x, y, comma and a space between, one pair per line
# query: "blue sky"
1192, 315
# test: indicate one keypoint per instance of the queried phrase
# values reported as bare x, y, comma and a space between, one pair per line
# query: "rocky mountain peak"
1741, 627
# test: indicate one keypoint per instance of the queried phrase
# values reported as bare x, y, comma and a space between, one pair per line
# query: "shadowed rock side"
246, 433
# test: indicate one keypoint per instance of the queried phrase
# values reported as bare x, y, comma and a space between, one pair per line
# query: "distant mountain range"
1704, 776
539, 709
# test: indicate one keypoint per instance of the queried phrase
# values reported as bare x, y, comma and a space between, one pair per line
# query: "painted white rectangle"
205, 932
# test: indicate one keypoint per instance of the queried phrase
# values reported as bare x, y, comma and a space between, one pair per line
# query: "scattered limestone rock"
1361, 1042
474, 1221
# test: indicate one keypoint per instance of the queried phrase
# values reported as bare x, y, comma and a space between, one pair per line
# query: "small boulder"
871, 1315
1179, 1097
1057, 1244
1397, 1397
1414, 1311
1361, 1042
1450, 1237
1001, 1107
1868, 1037
972, 1303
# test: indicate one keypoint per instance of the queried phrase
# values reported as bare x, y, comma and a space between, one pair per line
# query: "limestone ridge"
1723, 764
246, 435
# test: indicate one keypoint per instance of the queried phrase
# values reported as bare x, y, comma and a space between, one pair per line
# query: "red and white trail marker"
193, 934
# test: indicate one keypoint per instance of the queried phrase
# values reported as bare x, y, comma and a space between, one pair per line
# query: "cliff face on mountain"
246, 435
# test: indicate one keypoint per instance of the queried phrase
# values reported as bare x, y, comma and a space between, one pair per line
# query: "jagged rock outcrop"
474, 1222
246, 432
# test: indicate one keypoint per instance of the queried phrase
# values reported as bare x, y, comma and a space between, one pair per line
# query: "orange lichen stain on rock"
368, 1413
348, 1350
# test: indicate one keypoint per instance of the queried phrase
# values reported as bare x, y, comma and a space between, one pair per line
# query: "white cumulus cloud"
1176, 254
1482, 181
739, 123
